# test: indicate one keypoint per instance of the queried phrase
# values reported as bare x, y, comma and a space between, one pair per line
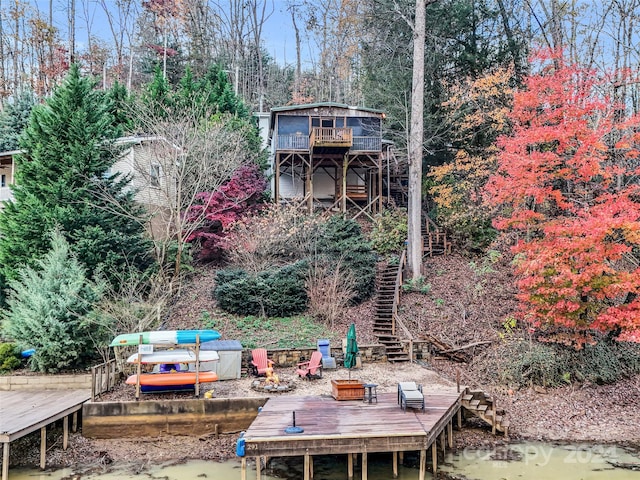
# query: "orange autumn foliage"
478, 112
568, 187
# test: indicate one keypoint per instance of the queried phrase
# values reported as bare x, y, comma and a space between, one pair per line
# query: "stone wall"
45, 382
421, 350
291, 357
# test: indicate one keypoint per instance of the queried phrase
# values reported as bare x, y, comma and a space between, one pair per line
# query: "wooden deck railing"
293, 141
296, 141
367, 144
331, 137
103, 378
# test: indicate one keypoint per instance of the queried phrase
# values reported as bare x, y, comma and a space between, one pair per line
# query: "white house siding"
7, 172
137, 162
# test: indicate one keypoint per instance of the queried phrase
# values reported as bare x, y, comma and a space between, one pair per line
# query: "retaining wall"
174, 417
45, 382
290, 357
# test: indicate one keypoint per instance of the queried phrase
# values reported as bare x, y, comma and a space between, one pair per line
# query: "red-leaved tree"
236, 198
567, 183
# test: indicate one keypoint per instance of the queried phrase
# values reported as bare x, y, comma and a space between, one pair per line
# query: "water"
543, 461
524, 461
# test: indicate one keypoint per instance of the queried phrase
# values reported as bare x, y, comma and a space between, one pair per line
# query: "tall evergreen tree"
63, 179
14, 118
48, 308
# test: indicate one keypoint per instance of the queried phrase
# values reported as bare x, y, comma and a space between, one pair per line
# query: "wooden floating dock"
352, 428
25, 411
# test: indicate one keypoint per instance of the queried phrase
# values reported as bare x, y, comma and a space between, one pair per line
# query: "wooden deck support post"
345, 167
434, 456
395, 464
74, 422
93, 384
307, 466
65, 432
5, 460
243, 469
276, 183
459, 415
442, 441
197, 365
365, 473
350, 465
258, 468
138, 370
423, 464
43, 447
309, 185
493, 418
450, 433
311, 466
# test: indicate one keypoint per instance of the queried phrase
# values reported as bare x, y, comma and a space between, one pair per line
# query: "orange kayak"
173, 378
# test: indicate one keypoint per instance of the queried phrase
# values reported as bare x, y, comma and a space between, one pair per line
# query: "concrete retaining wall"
175, 417
45, 382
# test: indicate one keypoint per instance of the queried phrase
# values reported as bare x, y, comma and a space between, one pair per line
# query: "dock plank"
25, 411
353, 426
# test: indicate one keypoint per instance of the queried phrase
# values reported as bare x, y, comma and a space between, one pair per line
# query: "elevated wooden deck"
25, 411
353, 427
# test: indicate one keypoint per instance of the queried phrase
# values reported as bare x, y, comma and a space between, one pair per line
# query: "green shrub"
418, 285
342, 240
605, 362
48, 311
389, 232
524, 363
9, 357
272, 293
530, 363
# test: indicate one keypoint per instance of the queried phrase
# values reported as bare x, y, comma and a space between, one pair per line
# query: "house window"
3, 180
154, 175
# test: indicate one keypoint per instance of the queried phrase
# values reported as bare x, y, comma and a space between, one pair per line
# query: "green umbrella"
352, 349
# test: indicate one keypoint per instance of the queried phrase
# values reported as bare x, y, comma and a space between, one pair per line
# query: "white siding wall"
138, 161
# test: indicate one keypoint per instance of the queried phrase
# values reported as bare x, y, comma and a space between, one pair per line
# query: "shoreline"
85, 456
577, 414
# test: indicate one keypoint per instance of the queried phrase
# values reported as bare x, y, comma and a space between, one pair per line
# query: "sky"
278, 34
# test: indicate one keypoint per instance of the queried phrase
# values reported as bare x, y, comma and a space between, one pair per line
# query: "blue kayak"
165, 337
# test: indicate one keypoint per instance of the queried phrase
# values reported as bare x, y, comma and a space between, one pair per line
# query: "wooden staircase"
398, 189
383, 323
483, 406
434, 238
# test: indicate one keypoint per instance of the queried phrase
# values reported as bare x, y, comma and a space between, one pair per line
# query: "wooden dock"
25, 411
352, 428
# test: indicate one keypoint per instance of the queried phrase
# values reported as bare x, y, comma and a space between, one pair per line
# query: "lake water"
524, 461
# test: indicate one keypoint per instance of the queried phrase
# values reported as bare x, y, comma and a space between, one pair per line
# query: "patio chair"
311, 368
259, 362
410, 395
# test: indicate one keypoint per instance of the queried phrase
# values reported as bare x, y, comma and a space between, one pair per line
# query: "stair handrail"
430, 223
395, 318
396, 290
